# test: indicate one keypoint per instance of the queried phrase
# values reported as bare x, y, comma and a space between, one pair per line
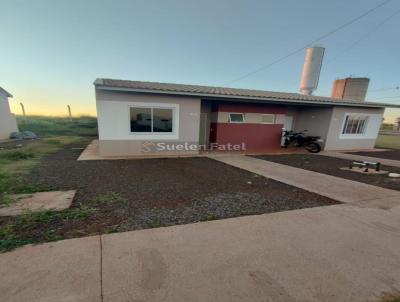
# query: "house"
145, 117
8, 122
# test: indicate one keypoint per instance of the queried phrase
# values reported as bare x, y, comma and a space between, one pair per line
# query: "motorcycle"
299, 139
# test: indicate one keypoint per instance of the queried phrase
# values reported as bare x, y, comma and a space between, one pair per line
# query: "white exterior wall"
8, 122
315, 120
115, 138
338, 141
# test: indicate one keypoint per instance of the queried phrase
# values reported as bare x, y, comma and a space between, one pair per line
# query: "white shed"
8, 123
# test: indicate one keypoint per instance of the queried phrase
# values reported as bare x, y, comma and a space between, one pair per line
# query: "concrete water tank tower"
311, 69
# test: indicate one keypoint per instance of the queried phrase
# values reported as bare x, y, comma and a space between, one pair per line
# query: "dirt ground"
332, 165
390, 154
120, 195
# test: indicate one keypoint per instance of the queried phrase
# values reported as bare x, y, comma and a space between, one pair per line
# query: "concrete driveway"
334, 253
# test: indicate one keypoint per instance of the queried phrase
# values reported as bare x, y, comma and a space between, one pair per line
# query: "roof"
6, 92
229, 93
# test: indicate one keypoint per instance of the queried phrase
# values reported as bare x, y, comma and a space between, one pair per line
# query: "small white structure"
8, 122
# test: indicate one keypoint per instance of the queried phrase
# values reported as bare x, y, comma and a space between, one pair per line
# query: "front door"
288, 125
204, 129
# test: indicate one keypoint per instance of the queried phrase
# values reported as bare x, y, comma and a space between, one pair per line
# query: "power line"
384, 89
385, 97
390, 101
365, 36
310, 43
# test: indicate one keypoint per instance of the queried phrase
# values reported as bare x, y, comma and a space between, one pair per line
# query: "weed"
113, 229
155, 224
391, 297
210, 217
109, 198
8, 239
12, 234
7, 231
5, 199
47, 216
10, 183
76, 214
12, 243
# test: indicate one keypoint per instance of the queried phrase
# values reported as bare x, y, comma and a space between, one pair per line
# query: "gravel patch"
332, 166
390, 154
224, 205
124, 195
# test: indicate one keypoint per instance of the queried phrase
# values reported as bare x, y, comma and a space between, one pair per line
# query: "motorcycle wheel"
313, 148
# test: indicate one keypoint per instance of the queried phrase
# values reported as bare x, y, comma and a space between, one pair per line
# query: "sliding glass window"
151, 120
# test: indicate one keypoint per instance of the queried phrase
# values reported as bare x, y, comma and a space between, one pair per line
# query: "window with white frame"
268, 118
151, 120
236, 117
355, 124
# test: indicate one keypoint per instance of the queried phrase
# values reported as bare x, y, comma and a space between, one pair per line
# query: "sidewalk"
383, 161
340, 189
332, 253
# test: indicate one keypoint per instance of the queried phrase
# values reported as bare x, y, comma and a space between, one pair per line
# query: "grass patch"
30, 218
388, 141
36, 227
21, 160
12, 234
16, 155
16, 163
56, 126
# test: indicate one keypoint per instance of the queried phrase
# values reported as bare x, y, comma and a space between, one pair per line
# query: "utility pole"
23, 109
396, 126
69, 113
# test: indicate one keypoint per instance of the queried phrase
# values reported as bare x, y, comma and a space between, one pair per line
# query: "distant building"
8, 122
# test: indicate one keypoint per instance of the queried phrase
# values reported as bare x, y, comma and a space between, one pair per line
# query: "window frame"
273, 118
155, 135
235, 122
351, 117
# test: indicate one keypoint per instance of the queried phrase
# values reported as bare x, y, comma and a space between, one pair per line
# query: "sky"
53, 50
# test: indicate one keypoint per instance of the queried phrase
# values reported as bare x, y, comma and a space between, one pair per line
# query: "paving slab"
91, 152
383, 161
337, 188
371, 171
333, 253
41, 201
67, 270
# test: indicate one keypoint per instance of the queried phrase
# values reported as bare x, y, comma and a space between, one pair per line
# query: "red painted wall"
257, 137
